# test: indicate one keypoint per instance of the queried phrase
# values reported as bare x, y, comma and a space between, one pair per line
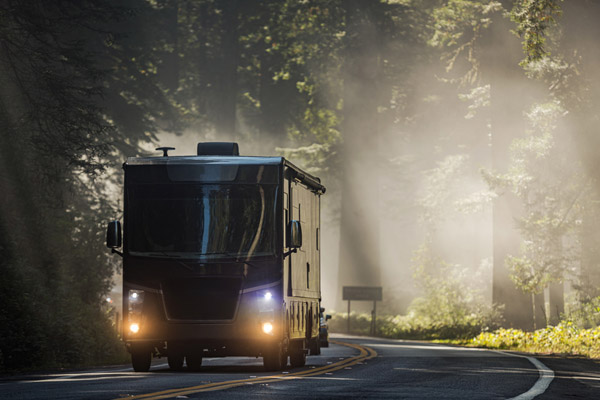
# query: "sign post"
363, 293
348, 319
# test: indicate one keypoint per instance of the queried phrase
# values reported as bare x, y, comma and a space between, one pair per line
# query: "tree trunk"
539, 312
359, 227
508, 96
557, 302
168, 70
589, 276
226, 96
579, 27
273, 111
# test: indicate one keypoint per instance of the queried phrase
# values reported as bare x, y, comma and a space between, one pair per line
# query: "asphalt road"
354, 367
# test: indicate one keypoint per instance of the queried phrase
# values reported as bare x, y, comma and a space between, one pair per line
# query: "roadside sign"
363, 293
372, 293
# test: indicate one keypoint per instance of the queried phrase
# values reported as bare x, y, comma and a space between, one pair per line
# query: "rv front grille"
201, 298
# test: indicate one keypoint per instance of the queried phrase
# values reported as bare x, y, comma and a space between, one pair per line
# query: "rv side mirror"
327, 317
113, 235
294, 235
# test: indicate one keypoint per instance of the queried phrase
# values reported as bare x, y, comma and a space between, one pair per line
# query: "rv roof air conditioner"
218, 149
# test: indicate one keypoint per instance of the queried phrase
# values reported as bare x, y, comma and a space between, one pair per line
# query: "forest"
456, 138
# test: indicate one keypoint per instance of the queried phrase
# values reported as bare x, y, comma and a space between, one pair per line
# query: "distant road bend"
352, 367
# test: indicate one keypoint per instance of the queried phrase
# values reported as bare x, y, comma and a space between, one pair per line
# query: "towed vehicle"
324, 328
221, 257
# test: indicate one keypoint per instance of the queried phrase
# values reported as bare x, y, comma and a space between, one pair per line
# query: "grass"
408, 327
564, 338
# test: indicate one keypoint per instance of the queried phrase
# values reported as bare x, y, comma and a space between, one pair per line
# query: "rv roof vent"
218, 149
165, 150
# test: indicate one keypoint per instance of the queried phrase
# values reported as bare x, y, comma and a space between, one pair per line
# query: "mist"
457, 141
410, 151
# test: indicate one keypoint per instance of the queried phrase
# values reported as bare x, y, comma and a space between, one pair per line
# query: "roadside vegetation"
578, 334
565, 339
409, 326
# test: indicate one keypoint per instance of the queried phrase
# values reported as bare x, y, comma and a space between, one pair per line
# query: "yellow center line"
365, 353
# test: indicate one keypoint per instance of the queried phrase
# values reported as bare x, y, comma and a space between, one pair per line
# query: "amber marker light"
134, 328
267, 327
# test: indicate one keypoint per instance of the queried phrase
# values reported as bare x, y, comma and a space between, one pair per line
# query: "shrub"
416, 326
565, 338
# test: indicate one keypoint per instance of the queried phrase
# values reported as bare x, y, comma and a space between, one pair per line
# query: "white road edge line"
540, 386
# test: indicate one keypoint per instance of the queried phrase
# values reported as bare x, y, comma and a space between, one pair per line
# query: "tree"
359, 230
562, 64
552, 190
378, 58
480, 52
71, 89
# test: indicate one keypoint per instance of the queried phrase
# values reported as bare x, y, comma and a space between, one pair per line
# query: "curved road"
353, 367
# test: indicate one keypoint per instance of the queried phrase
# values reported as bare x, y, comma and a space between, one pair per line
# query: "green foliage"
52, 293
584, 313
416, 326
564, 338
267, 67
459, 26
323, 53
451, 296
62, 107
533, 19
450, 307
440, 191
553, 192
479, 97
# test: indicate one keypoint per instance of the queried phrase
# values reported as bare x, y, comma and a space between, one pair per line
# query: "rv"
221, 257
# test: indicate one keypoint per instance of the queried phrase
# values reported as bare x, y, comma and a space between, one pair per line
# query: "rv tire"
141, 360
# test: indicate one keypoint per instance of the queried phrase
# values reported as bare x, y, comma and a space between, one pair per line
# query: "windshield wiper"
235, 256
247, 263
155, 254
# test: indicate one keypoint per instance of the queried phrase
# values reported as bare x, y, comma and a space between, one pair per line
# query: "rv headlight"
136, 301
267, 327
134, 328
136, 296
136, 304
266, 301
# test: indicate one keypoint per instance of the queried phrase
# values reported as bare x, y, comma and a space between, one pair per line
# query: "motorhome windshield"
201, 220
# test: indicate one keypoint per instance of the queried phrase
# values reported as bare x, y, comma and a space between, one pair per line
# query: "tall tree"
482, 51
359, 230
509, 95
60, 64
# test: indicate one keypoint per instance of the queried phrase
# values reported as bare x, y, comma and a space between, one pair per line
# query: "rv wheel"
284, 360
194, 362
274, 359
297, 356
141, 360
175, 362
